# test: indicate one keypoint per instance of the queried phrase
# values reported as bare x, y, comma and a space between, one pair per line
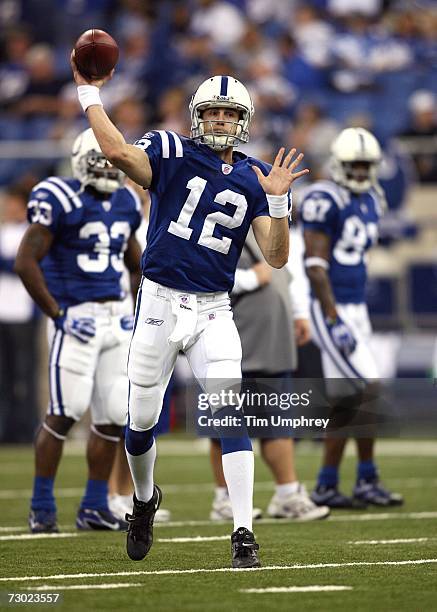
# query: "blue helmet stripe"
224, 86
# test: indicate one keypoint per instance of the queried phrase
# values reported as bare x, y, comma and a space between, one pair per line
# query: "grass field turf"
187, 493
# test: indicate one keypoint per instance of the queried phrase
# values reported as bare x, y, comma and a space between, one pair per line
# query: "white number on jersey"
180, 227
102, 246
315, 209
349, 249
41, 212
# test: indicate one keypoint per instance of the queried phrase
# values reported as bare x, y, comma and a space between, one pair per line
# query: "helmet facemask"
212, 137
221, 92
100, 173
355, 158
357, 176
91, 167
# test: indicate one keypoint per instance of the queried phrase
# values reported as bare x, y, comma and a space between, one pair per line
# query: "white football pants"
360, 365
200, 324
94, 374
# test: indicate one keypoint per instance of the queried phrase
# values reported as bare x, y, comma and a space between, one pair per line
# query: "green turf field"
195, 576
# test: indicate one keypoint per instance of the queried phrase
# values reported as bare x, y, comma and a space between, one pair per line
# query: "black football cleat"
244, 549
140, 525
333, 498
43, 521
372, 492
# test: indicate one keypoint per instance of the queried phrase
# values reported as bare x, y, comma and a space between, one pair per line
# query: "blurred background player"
181, 264
340, 219
71, 260
271, 312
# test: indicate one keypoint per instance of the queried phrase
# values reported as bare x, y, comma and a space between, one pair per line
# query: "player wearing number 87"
340, 220
204, 198
71, 259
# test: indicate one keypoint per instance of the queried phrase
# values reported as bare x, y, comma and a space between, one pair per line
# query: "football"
95, 53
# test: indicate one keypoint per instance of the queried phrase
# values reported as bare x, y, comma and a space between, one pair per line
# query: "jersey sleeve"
48, 204
163, 149
319, 212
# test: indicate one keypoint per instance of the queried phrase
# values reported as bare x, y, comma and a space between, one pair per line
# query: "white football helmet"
221, 91
91, 167
354, 145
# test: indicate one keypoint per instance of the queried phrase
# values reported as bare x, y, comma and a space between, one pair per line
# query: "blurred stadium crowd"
312, 67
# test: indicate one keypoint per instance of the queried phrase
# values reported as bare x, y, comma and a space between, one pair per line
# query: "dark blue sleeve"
45, 207
319, 212
151, 144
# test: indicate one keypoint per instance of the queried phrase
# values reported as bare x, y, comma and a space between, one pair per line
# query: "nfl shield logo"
106, 205
226, 168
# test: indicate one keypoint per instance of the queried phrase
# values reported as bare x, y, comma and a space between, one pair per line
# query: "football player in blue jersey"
204, 198
81, 234
340, 220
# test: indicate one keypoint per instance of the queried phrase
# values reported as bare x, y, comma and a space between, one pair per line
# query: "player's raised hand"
81, 80
282, 174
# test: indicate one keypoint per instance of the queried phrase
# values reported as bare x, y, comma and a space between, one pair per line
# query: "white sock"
284, 490
238, 469
221, 493
141, 467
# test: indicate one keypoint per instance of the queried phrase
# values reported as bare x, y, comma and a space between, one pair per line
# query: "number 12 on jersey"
181, 227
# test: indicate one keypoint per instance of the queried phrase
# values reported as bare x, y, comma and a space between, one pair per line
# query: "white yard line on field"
200, 446
224, 570
37, 536
398, 541
341, 518
57, 587
207, 487
316, 588
195, 539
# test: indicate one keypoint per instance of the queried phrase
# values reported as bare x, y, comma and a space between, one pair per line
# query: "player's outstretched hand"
81, 80
282, 173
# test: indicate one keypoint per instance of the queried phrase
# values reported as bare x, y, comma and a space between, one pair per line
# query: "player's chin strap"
54, 433
104, 436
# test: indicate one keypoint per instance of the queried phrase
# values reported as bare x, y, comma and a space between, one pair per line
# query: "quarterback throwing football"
204, 198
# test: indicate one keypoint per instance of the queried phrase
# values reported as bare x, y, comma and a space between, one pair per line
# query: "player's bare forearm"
273, 238
321, 286
34, 246
132, 260
131, 160
317, 253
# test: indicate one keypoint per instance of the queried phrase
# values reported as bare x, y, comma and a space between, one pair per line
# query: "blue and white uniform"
201, 212
83, 270
351, 222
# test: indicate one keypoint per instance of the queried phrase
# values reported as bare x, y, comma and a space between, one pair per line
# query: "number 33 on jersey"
200, 214
90, 236
351, 221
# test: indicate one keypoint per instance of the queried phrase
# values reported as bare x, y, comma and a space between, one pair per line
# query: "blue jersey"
351, 221
90, 235
201, 211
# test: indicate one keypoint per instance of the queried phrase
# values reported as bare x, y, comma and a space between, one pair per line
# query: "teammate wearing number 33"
340, 220
71, 260
204, 198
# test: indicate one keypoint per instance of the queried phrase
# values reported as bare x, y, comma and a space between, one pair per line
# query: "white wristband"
88, 96
278, 205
